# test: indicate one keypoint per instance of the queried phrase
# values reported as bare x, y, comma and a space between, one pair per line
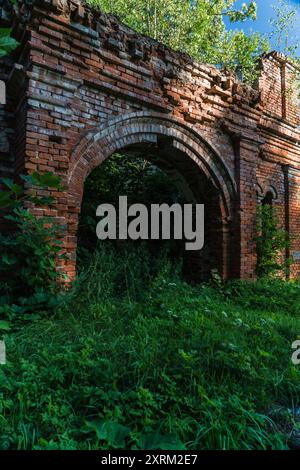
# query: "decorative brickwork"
82, 86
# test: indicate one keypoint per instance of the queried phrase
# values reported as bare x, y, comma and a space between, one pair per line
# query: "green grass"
136, 358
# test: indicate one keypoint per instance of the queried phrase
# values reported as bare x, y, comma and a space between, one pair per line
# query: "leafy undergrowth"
135, 358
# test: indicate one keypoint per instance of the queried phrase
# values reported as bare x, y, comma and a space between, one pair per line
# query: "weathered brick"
87, 95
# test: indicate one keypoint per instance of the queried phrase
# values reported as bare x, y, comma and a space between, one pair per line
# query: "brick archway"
82, 85
166, 135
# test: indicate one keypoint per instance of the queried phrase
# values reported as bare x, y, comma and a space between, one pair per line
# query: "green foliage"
134, 357
30, 249
246, 11
124, 174
271, 243
157, 364
7, 43
16, 194
283, 26
4, 325
28, 255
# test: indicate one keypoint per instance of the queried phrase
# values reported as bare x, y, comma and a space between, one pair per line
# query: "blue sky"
265, 12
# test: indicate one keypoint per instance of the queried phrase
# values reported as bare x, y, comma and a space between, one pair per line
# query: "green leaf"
27, 178
155, 440
4, 325
5, 32
111, 432
15, 188
5, 199
48, 179
8, 260
7, 43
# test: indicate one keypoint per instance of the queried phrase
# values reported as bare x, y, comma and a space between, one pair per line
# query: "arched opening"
191, 165
155, 174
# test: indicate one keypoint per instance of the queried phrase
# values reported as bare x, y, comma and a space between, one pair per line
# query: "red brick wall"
279, 91
91, 86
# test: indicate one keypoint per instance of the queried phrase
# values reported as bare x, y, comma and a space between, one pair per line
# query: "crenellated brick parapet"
82, 85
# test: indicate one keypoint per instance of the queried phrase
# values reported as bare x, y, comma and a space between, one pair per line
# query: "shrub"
31, 247
271, 242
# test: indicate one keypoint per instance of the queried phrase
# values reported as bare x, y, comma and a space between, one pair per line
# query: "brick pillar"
246, 163
285, 169
292, 216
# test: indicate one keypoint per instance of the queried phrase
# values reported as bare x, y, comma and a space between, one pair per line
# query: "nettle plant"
271, 242
7, 43
29, 250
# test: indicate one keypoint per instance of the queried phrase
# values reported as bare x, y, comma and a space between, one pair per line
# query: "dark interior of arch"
268, 199
164, 180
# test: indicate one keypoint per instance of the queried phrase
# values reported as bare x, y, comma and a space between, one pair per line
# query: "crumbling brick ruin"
82, 86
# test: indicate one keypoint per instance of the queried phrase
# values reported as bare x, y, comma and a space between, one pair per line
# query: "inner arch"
180, 152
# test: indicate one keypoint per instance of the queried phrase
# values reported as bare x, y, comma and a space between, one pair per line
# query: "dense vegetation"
141, 181
132, 356
135, 358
